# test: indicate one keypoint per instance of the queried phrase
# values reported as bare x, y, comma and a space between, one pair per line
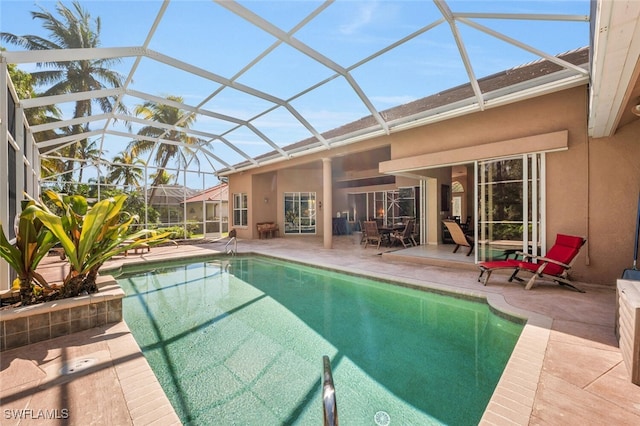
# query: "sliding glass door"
300, 212
510, 206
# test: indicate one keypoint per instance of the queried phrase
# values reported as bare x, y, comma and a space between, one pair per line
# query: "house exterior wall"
614, 185
591, 187
264, 197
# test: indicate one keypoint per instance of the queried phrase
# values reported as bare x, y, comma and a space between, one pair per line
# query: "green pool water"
240, 341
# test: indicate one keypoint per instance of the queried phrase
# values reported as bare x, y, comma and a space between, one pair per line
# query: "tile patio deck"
566, 368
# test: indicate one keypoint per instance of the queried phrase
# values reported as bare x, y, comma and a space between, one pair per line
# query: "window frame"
241, 209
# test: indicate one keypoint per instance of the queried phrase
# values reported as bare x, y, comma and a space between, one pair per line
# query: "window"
387, 207
300, 212
240, 209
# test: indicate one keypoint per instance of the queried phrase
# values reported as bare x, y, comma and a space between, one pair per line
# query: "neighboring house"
215, 202
169, 200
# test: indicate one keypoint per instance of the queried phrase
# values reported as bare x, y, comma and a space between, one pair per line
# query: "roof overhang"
615, 65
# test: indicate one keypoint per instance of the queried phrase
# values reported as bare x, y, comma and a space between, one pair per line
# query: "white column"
327, 205
4, 164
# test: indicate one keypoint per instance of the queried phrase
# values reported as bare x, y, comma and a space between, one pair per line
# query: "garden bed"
25, 325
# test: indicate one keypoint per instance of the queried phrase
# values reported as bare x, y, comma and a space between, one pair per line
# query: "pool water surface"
240, 341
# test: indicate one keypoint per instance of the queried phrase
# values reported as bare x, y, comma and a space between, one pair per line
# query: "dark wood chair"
405, 236
372, 234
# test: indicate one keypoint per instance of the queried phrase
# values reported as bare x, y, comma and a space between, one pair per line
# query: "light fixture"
636, 109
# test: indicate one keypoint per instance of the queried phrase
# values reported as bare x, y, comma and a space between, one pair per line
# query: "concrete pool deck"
566, 368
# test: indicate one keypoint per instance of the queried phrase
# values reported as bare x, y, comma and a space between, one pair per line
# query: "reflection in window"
510, 205
300, 212
386, 207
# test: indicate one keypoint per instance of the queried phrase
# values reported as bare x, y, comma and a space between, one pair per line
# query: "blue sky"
211, 37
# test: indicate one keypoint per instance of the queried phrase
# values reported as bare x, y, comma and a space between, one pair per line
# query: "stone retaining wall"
35, 323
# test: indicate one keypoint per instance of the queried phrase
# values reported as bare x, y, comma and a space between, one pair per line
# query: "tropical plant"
33, 242
90, 235
73, 29
126, 170
182, 151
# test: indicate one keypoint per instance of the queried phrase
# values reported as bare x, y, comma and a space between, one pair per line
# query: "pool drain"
77, 365
382, 418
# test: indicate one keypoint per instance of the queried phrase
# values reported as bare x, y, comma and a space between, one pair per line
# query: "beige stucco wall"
614, 166
592, 187
264, 197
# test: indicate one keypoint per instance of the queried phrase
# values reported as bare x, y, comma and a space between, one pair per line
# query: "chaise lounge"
458, 236
555, 265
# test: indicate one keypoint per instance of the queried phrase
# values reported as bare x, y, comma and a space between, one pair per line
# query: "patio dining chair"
372, 234
363, 237
405, 236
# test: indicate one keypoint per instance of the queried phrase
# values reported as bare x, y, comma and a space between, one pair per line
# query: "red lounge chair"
555, 265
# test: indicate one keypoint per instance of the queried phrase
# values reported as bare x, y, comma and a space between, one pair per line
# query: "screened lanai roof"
268, 80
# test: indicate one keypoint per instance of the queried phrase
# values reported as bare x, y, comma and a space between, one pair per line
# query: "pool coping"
513, 398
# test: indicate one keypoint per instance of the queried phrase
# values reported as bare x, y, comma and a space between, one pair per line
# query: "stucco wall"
264, 197
614, 165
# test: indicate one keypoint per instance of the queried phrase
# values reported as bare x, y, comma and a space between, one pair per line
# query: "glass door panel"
509, 206
300, 212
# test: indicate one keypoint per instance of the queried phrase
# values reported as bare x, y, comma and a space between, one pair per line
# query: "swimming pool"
241, 340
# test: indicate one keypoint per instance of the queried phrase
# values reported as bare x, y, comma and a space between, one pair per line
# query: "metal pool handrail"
330, 409
233, 249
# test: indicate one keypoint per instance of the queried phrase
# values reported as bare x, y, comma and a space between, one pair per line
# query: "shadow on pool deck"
566, 369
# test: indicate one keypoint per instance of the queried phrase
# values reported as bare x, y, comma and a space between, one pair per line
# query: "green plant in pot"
33, 242
91, 235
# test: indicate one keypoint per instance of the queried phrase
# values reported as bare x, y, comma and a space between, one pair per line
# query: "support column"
327, 205
5, 281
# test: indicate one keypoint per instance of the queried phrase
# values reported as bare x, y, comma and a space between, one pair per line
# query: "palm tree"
23, 83
164, 153
162, 177
87, 152
73, 30
51, 166
126, 170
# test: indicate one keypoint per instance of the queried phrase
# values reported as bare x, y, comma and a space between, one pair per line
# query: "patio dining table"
509, 247
386, 231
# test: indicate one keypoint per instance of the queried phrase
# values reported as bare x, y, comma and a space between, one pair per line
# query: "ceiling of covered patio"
268, 80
